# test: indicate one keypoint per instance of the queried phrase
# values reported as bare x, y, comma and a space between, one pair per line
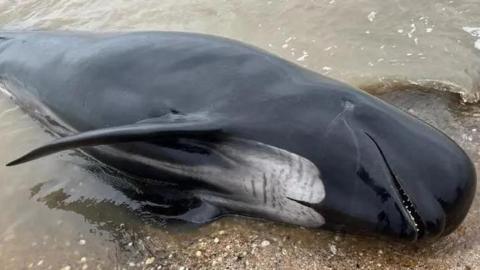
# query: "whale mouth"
409, 210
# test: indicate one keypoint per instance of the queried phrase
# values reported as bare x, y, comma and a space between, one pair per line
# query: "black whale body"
239, 131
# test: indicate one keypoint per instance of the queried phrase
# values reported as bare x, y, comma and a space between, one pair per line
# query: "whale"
222, 128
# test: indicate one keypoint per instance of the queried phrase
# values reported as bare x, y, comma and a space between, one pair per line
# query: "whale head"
386, 172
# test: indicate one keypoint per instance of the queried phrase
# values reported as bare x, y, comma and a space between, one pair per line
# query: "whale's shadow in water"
125, 198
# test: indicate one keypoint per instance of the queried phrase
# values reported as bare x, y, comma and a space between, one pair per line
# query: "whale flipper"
149, 129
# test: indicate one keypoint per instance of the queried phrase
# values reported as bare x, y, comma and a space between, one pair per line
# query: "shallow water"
65, 210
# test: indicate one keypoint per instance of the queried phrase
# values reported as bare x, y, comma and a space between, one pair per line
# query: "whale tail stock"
150, 129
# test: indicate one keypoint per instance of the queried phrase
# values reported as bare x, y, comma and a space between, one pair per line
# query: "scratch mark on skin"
264, 188
272, 191
348, 107
355, 142
254, 192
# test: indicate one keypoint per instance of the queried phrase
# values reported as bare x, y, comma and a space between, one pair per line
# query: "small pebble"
83, 260
333, 249
40, 263
149, 260
66, 267
82, 242
216, 240
302, 58
371, 16
198, 253
265, 243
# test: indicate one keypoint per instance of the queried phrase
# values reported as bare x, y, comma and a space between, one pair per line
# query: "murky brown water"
65, 211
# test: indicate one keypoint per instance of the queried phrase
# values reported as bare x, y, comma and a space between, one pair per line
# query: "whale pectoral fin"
141, 131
